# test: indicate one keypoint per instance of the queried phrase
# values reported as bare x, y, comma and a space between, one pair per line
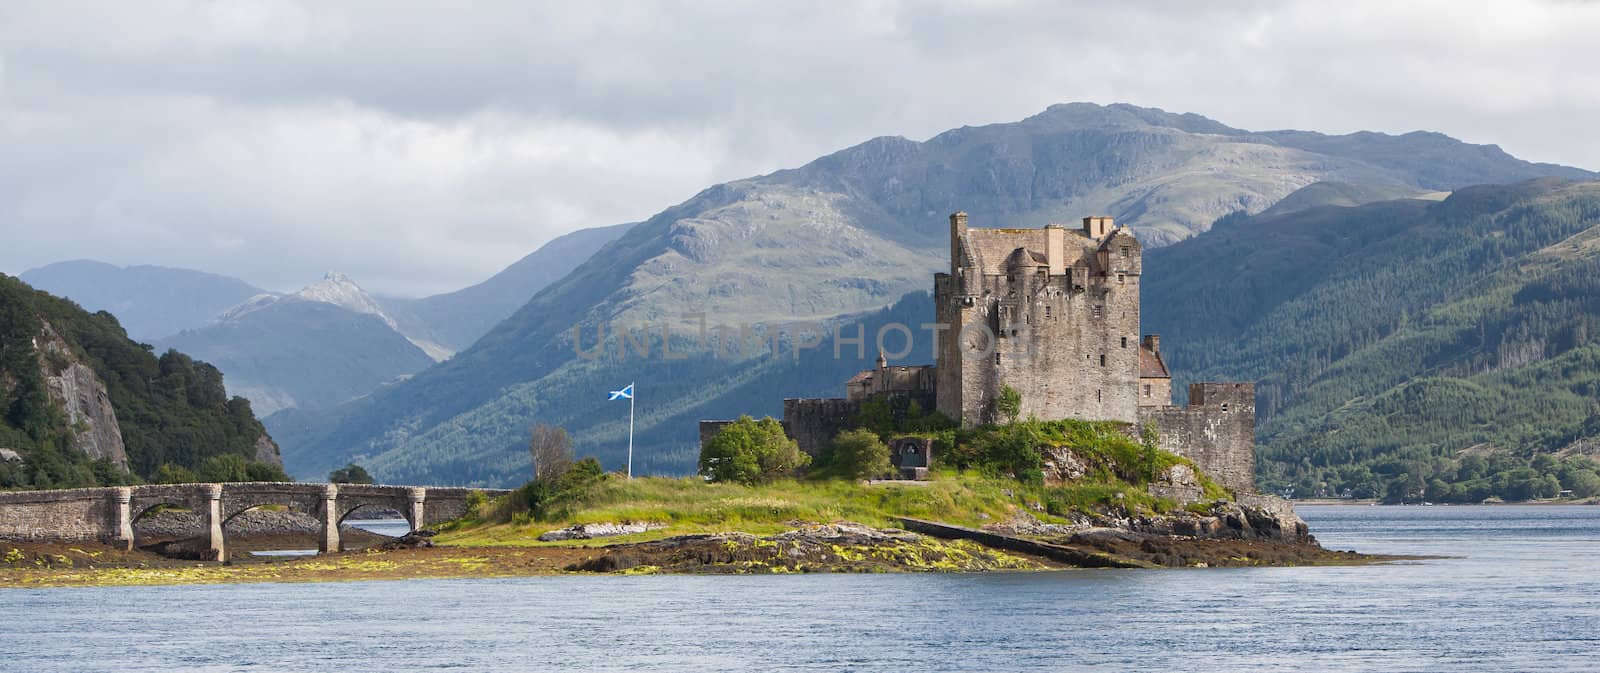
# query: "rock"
75, 388
1027, 525
267, 451
1062, 465
1178, 483
10, 456
587, 531
1253, 517
416, 539
835, 547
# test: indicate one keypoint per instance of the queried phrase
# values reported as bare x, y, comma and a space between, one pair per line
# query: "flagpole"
630, 428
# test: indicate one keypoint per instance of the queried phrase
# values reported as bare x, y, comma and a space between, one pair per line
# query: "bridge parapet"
107, 514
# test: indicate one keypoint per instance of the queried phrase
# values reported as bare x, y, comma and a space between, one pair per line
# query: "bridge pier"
419, 498
330, 520
122, 532
107, 514
213, 496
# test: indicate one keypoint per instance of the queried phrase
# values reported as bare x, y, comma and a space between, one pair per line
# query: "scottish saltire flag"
624, 394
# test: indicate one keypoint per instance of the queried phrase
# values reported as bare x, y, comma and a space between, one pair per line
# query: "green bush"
859, 454
350, 474
1008, 405
748, 451
174, 474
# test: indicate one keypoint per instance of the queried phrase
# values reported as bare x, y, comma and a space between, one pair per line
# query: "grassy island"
1076, 487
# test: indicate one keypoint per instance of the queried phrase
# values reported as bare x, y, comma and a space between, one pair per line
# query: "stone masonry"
1054, 314
108, 514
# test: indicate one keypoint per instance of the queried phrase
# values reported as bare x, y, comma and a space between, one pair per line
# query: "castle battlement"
1053, 313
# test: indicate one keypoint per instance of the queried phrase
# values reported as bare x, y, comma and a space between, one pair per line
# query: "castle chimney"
1153, 342
958, 231
1055, 249
1098, 226
883, 363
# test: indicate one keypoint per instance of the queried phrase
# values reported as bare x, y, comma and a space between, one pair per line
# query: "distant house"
10, 456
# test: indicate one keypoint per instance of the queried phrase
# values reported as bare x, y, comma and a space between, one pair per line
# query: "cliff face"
79, 393
82, 405
267, 451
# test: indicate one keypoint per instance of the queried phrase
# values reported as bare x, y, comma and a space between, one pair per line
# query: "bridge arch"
108, 514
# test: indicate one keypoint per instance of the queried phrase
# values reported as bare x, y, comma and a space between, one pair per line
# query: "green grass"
690, 505
1001, 477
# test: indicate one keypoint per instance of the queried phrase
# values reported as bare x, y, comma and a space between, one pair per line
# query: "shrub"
175, 474
1009, 404
225, 467
350, 474
553, 495
859, 454
748, 451
259, 471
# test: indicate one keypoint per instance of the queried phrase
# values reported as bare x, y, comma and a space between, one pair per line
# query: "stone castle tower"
1052, 313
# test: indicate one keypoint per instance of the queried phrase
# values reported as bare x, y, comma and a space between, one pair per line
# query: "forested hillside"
848, 234
1404, 349
173, 413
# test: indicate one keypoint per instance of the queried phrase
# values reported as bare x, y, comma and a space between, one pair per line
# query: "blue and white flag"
624, 394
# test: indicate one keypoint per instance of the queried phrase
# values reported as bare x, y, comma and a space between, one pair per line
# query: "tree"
174, 474
1009, 404
859, 454
1584, 483
350, 474
551, 451
226, 467
748, 451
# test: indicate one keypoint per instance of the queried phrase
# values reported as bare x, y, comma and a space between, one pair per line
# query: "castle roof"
990, 250
1151, 366
1026, 257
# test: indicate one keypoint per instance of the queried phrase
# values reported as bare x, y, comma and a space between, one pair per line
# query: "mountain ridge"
848, 233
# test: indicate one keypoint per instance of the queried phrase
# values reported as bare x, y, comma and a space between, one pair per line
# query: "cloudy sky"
421, 149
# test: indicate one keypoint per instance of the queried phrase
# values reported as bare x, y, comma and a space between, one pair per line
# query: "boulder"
587, 531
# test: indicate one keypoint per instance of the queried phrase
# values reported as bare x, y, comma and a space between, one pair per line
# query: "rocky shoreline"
1255, 531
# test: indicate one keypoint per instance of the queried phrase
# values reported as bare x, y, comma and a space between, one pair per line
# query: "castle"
1054, 314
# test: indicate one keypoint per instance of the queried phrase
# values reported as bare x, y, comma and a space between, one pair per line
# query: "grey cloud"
421, 147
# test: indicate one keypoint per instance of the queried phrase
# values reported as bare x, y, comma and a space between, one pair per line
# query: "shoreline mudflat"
835, 548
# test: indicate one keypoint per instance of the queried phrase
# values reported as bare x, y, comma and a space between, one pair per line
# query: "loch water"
1518, 591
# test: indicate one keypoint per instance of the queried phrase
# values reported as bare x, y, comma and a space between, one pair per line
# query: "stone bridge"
107, 514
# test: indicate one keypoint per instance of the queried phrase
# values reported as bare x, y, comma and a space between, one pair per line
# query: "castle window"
1224, 407
1146, 390
1099, 310
1102, 359
1124, 342
1047, 313
997, 358
1097, 395
1121, 278
1125, 251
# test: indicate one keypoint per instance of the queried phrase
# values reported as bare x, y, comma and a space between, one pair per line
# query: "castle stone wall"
1068, 340
1216, 431
813, 423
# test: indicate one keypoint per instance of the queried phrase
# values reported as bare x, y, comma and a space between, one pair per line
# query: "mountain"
84, 405
842, 236
456, 319
1404, 349
151, 302
328, 343
1339, 194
